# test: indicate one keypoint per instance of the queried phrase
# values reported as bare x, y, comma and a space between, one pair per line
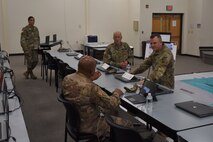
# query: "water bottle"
149, 100
128, 68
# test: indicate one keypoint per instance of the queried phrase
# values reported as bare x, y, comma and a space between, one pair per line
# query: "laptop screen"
47, 39
54, 38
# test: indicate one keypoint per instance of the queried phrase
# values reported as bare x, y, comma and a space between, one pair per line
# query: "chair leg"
56, 80
50, 77
65, 134
41, 70
46, 74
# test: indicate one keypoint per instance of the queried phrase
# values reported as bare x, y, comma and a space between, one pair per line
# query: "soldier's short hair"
30, 17
156, 35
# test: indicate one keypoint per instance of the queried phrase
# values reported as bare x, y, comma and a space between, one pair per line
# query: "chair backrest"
72, 114
120, 133
61, 68
51, 61
69, 70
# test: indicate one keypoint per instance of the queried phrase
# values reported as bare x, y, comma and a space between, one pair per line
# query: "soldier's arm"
24, 39
107, 56
100, 98
130, 56
143, 66
161, 67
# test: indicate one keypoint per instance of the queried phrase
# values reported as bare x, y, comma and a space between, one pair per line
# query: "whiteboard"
172, 46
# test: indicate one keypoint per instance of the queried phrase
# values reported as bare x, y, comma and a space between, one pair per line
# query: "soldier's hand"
95, 76
140, 83
118, 91
123, 64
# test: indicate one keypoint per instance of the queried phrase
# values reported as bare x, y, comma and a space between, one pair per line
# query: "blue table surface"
205, 84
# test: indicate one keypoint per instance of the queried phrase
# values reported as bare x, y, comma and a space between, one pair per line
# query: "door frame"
181, 27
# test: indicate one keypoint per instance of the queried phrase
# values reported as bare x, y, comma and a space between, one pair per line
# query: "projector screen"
170, 45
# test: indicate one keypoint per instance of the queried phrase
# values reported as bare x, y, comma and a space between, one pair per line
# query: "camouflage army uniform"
114, 54
89, 99
30, 41
162, 63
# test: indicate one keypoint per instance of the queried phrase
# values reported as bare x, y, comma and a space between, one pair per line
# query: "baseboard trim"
189, 55
16, 54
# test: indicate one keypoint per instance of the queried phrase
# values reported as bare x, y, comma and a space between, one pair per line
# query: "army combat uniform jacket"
162, 63
30, 38
90, 99
114, 54
30, 41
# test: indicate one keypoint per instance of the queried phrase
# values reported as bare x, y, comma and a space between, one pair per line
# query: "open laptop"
161, 90
196, 108
148, 87
121, 78
54, 38
47, 39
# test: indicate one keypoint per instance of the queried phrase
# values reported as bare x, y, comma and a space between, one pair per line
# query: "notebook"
148, 87
196, 108
119, 77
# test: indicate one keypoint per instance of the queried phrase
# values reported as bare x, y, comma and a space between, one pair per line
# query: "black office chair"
61, 73
43, 65
51, 65
72, 122
120, 133
69, 70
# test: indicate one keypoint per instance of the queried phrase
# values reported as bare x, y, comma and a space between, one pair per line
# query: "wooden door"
168, 23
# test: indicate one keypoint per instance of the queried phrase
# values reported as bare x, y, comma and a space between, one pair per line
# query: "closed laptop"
196, 108
110, 70
120, 77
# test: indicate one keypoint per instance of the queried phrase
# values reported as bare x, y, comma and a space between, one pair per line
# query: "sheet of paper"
105, 66
127, 75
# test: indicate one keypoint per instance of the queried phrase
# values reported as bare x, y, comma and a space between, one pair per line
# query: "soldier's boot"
32, 76
26, 74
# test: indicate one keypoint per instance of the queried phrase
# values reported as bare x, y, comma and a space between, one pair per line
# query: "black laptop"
148, 87
47, 39
54, 38
110, 70
196, 108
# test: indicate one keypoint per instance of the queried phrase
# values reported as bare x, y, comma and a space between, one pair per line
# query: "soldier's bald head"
117, 36
87, 65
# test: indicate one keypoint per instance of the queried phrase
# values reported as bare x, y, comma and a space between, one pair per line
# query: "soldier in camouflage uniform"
89, 98
162, 63
118, 53
30, 41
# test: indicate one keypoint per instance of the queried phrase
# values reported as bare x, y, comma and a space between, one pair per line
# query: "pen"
187, 91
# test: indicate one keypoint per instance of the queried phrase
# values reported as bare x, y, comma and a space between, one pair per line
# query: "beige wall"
1, 26
71, 20
206, 37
